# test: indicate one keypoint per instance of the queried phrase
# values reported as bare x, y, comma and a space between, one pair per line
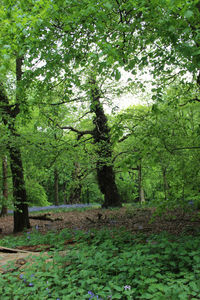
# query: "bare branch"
80, 99
88, 112
120, 153
125, 137
185, 148
190, 101
79, 132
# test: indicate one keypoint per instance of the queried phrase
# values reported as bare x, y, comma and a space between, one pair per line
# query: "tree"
21, 219
4, 208
101, 135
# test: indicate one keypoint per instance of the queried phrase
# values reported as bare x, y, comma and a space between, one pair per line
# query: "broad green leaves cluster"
111, 265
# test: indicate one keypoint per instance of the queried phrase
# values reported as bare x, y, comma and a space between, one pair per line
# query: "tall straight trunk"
4, 209
101, 135
64, 192
56, 200
10, 112
21, 219
75, 193
165, 183
140, 187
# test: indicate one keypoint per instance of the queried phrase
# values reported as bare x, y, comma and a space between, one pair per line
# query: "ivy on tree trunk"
101, 135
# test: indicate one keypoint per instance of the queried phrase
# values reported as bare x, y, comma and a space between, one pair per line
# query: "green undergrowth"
64, 209
107, 265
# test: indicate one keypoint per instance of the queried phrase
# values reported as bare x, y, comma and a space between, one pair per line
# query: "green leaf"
188, 14
117, 75
108, 5
196, 52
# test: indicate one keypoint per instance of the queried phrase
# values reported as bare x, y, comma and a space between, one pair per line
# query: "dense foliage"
107, 265
60, 64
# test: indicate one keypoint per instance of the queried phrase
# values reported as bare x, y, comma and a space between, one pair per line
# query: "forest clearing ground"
132, 219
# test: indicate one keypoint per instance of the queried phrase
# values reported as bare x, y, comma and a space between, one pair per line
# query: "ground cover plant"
68, 134
105, 263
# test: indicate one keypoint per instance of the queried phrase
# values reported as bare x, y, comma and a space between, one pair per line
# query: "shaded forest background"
62, 64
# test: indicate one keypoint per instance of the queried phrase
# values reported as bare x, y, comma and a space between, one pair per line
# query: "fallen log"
45, 217
11, 250
41, 218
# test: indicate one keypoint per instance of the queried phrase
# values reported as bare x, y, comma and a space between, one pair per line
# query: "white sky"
136, 97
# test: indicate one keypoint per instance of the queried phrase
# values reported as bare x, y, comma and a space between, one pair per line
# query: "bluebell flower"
91, 294
30, 284
127, 287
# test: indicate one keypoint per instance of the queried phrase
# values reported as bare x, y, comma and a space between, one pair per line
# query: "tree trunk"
101, 135
4, 209
140, 187
56, 200
165, 183
21, 219
75, 193
9, 115
64, 192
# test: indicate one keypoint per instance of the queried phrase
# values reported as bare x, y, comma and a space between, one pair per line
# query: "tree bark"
9, 115
56, 199
140, 187
165, 183
4, 209
21, 219
101, 135
64, 192
75, 193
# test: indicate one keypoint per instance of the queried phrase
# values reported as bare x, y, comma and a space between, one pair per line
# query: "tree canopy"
61, 62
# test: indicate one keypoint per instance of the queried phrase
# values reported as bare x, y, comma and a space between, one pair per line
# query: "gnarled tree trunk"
101, 135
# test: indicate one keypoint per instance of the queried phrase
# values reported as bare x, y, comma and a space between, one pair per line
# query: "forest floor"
136, 220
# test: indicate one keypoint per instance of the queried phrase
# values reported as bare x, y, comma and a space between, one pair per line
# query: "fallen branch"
44, 217
10, 250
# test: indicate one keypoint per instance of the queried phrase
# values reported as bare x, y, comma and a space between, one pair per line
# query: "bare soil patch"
134, 220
